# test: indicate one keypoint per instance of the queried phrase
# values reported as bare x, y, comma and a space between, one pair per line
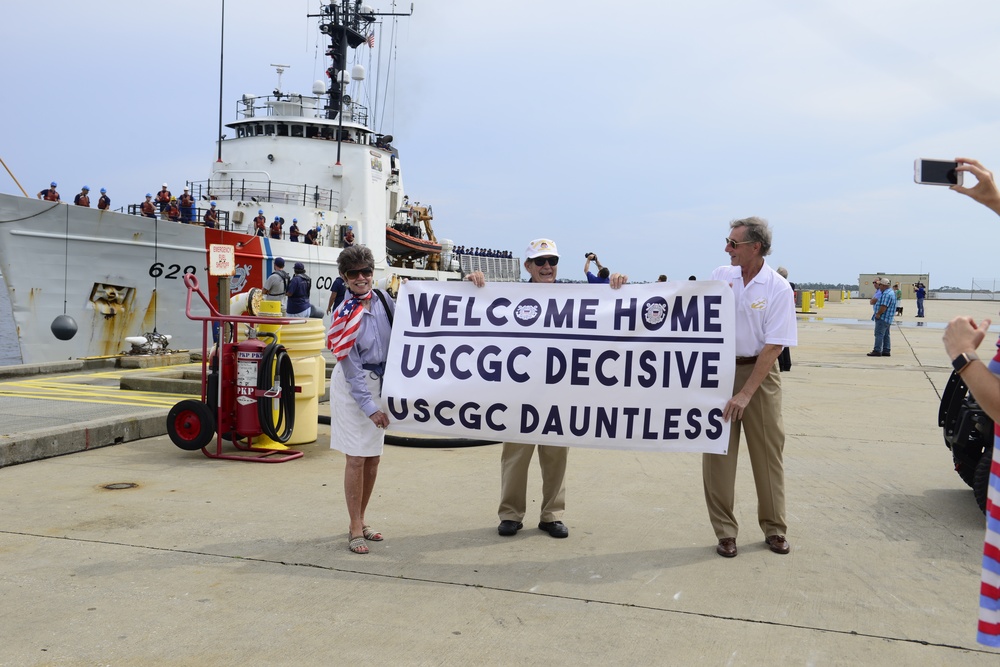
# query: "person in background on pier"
293, 231
349, 236
921, 291
359, 339
173, 210
785, 358
885, 312
899, 298
603, 273
765, 324
83, 199
877, 284
163, 198
211, 217
187, 206
337, 293
298, 291
277, 283
104, 203
147, 208
540, 261
276, 228
961, 339
49, 193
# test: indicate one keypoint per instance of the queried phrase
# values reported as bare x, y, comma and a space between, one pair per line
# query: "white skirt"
351, 432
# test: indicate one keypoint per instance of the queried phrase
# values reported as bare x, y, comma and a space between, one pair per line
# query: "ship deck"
218, 562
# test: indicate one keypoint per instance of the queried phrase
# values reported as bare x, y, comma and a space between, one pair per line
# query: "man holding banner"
540, 261
765, 324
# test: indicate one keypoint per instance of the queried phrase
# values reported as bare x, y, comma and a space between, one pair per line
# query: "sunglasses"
354, 273
542, 261
731, 242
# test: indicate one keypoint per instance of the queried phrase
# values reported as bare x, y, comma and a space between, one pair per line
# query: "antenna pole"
222, 52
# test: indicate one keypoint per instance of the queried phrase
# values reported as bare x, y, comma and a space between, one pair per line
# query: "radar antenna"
280, 69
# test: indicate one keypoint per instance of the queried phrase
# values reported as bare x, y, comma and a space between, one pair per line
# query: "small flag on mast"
371, 41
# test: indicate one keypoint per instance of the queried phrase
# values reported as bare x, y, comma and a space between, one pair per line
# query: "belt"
378, 369
743, 361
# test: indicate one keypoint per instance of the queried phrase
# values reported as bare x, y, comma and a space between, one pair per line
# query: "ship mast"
348, 24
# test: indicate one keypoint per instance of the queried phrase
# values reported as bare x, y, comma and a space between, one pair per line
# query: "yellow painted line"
164, 404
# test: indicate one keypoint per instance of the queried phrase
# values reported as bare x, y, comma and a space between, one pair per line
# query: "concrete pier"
143, 554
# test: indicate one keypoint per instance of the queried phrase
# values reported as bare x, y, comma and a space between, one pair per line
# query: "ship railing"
496, 269
189, 216
294, 105
259, 192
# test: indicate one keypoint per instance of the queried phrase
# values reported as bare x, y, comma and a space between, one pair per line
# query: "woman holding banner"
359, 339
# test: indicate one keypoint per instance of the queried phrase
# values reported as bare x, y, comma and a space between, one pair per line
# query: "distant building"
866, 283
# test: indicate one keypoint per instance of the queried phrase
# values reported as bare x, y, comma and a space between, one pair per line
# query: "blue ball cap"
87, 188
213, 204
295, 219
52, 184
260, 212
148, 195
103, 190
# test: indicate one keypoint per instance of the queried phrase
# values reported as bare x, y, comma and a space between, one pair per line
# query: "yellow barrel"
820, 299
304, 344
806, 301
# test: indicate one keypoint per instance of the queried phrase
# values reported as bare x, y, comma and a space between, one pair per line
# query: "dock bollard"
806, 301
820, 299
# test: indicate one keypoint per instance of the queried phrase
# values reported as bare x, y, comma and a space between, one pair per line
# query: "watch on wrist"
962, 361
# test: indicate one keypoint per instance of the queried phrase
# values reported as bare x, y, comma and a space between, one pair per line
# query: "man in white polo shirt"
765, 324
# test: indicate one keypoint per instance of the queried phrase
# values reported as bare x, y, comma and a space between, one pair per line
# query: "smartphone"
936, 172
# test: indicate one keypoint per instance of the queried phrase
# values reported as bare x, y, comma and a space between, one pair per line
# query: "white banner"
646, 367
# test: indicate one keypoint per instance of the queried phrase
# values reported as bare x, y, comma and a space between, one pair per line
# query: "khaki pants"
765, 437
514, 463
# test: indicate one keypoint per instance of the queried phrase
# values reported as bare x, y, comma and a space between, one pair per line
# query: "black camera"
589, 255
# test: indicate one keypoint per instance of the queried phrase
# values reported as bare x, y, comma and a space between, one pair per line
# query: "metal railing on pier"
496, 269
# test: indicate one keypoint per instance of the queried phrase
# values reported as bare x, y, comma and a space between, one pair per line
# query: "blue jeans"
882, 343
920, 307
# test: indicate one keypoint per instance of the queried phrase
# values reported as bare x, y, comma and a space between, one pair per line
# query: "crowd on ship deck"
483, 252
184, 210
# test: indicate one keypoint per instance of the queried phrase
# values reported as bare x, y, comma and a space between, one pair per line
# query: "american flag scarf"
344, 328
989, 591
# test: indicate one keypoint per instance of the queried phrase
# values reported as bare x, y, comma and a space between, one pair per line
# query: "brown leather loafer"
726, 547
778, 544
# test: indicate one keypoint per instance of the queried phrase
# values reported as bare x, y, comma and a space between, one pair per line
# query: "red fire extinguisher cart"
243, 385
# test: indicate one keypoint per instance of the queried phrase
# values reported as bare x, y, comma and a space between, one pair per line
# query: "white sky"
634, 133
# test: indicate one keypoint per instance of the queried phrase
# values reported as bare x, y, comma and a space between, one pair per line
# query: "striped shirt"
989, 591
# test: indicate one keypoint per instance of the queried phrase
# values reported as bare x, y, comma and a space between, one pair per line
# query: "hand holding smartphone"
936, 172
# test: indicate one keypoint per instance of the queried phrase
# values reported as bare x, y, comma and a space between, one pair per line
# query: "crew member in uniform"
83, 199
104, 203
187, 206
259, 223
147, 207
211, 217
49, 193
163, 198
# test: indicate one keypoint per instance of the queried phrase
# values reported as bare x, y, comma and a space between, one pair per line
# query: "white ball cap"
541, 248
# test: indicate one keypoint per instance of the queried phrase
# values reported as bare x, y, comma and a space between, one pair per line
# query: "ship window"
282, 130
269, 129
311, 131
258, 129
297, 131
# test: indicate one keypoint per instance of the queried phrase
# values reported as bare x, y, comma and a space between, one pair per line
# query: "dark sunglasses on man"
541, 261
